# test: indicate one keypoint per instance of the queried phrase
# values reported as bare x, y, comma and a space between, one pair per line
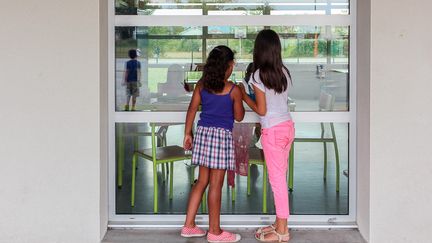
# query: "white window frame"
158, 220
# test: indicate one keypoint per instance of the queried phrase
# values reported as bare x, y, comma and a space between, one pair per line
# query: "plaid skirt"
213, 148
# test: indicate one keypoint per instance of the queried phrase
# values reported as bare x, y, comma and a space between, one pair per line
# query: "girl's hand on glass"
187, 142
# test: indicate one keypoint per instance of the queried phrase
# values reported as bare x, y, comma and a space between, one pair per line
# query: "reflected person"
132, 78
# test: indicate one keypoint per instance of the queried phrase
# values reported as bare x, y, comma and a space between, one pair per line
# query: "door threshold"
229, 224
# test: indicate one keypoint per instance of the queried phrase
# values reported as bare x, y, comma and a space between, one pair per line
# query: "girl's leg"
276, 144
214, 200
127, 102
196, 195
133, 102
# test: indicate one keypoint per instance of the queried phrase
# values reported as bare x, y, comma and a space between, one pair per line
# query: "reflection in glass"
233, 7
311, 193
172, 58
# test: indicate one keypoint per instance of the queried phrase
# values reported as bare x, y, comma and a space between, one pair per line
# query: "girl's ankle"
282, 231
189, 225
215, 231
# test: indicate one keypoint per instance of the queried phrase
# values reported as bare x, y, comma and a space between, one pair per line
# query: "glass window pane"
232, 7
171, 59
311, 195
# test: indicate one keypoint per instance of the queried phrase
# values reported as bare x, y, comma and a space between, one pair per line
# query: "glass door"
171, 40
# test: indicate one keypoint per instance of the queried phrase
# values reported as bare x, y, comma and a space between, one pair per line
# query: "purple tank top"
217, 110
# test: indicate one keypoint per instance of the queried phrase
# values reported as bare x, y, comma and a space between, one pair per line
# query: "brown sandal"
281, 238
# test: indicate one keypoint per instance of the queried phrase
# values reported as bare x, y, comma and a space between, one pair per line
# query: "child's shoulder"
234, 89
231, 85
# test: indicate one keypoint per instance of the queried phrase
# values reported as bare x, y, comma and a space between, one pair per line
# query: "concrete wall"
50, 151
400, 121
363, 116
103, 114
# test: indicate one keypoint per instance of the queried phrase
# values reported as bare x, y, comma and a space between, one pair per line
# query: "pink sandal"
192, 232
225, 236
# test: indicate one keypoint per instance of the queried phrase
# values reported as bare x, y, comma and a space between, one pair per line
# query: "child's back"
216, 122
213, 147
271, 80
276, 103
217, 109
132, 66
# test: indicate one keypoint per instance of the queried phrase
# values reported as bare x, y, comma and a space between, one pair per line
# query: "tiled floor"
172, 235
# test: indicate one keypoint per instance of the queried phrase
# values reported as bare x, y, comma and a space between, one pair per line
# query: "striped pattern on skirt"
213, 148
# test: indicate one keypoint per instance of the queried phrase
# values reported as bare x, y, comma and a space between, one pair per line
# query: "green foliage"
302, 45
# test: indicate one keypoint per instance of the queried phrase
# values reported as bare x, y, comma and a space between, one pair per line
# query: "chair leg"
264, 209
337, 167
120, 159
325, 152
163, 173
167, 169
233, 193
155, 188
134, 159
164, 142
325, 161
291, 168
249, 181
337, 157
171, 175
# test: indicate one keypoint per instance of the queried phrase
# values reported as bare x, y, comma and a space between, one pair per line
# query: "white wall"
50, 122
401, 121
103, 23
363, 117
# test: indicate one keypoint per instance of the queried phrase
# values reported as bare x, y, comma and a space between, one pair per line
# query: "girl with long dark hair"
270, 81
212, 147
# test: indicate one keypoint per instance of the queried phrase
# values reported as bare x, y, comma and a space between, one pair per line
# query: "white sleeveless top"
277, 104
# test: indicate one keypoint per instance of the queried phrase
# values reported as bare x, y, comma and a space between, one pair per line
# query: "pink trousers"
276, 142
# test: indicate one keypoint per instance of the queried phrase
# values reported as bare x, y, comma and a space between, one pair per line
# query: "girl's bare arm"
190, 116
260, 105
239, 110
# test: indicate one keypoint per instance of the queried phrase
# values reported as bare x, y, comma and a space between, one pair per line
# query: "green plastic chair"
161, 141
158, 156
326, 103
256, 157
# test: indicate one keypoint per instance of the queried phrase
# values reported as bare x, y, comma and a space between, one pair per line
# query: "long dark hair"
249, 71
217, 64
267, 58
